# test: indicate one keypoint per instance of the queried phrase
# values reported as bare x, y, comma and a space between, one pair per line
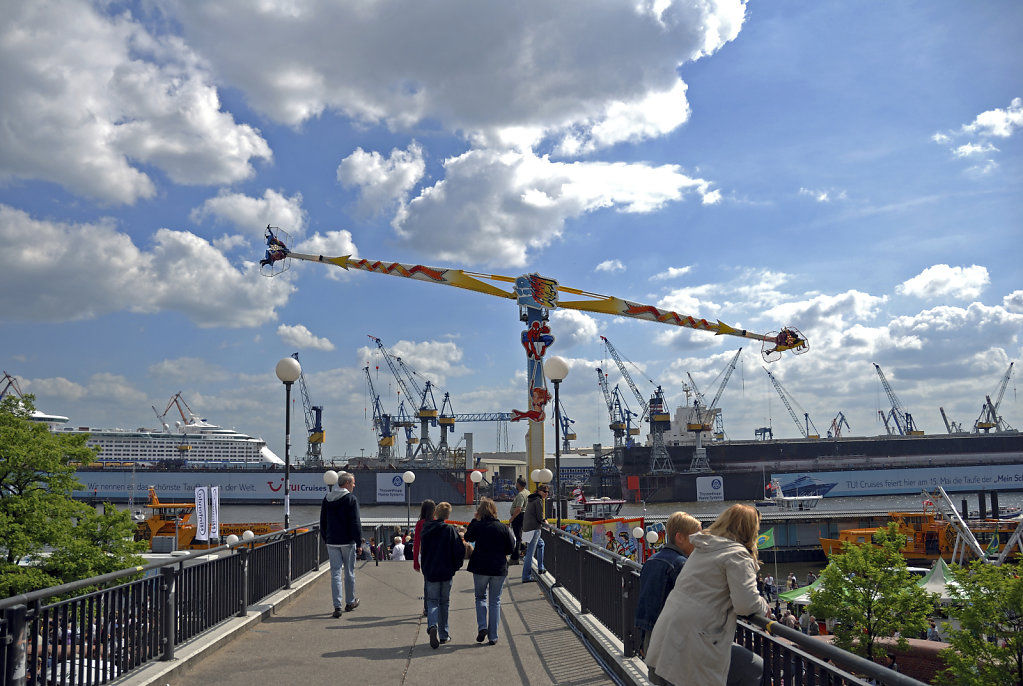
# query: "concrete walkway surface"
292, 639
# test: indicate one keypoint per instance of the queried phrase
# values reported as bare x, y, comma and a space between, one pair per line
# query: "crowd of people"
691, 593
437, 549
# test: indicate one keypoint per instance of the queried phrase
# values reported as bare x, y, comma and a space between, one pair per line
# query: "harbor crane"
951, 426
660, 461
784, 395
313, 423
10, 384
989, 418
897, 415
382, 424
619, 415
426, 412
836, 425
567, 432
719, 426
536, 296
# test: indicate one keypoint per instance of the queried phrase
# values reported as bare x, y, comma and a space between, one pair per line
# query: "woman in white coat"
692, 639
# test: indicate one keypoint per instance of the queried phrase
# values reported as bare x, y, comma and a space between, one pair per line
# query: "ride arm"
594, 302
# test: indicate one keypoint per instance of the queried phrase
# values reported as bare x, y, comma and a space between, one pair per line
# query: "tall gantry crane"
784, 395
989, 418
382, 424
897, 415
660, 461
536, 296
836, 425
426, 411
313, 423
620, 419
719, 427
567, 432
951, 426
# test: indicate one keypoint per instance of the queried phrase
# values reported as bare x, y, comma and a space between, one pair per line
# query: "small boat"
168, 527
788, 502
593, 510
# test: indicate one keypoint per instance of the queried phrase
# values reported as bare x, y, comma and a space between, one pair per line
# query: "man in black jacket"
341, 530
441, 554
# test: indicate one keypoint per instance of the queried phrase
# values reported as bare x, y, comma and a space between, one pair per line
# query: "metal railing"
606, 586
99, 629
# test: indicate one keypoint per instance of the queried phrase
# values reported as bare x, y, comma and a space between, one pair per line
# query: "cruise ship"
191, 443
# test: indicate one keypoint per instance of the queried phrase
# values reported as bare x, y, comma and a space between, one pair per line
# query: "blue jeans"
535, 547
342, 559
488, 594
438, 595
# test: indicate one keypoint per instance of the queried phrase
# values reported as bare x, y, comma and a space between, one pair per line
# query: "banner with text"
390, 488
215, 513
907, 481
202, 522
710, 489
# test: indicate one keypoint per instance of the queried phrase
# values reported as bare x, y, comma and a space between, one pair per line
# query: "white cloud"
510, 70
1013, 302
102, 387
90, 98
610, 266
571, 328
80, 271
228, 243
433, 360
252, 215
187, 369
998, 122
330, 244
299, 336
974, 149
382, 182
671, 273
941, 280
494, 207
823, 195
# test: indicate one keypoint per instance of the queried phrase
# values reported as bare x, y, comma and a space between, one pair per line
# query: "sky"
852, 170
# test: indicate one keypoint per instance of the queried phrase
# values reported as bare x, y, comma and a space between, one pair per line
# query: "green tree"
988, 602
46, 536
871, 593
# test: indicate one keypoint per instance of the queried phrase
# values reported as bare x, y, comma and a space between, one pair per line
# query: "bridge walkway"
293, 639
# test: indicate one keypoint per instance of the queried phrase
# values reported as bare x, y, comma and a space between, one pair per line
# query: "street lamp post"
556, 369
408, 477
288, 370
475, 477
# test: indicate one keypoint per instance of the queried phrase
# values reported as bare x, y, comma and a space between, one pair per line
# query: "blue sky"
850, 169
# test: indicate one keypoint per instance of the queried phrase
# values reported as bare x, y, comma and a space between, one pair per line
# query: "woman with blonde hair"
693, 637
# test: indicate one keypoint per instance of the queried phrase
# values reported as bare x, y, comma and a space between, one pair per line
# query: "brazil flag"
766, 539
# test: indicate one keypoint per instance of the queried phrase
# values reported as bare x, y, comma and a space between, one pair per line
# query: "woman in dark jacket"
489, 566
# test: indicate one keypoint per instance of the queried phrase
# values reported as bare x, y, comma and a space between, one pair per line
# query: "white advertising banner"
390, 488
903, 481
214, 513
710, 489
202, 522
